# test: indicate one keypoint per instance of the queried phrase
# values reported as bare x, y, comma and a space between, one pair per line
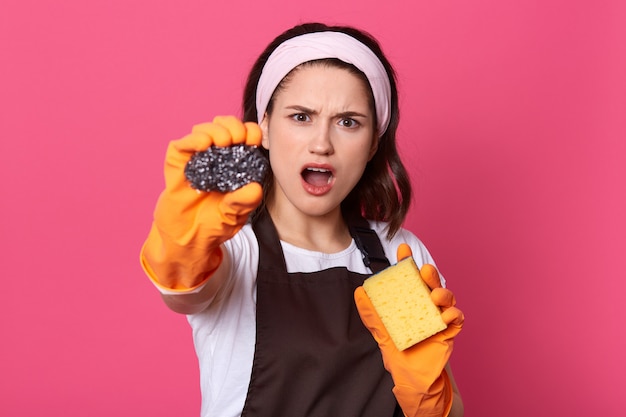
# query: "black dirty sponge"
226, 169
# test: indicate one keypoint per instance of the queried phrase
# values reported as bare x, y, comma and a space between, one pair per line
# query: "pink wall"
513, 126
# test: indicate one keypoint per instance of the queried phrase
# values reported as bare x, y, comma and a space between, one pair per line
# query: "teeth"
322, 170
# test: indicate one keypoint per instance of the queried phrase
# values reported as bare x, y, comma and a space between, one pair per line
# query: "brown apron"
313, 355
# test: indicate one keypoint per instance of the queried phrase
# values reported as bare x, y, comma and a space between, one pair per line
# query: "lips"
317, 180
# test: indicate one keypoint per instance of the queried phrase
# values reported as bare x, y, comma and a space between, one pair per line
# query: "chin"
317, 208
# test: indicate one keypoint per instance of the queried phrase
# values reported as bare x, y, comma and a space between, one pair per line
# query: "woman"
272, 302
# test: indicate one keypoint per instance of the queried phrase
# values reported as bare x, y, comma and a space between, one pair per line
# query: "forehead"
325, 81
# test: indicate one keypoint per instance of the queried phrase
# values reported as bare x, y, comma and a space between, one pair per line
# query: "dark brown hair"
384, 191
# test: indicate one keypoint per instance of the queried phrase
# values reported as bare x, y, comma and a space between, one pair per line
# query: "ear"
265, 140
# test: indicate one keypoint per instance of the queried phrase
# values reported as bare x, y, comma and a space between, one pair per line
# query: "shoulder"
244, 241
243, 250
238, 269
421, 254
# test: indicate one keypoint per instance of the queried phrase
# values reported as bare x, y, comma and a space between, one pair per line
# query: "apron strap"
374, 257
368, 243
263, 225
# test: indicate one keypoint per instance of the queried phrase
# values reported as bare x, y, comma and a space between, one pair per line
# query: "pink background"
513, 127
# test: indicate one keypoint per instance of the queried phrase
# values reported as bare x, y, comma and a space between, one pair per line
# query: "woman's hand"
182, 249
421, 384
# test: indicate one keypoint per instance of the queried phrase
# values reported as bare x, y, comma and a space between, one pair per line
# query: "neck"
327, 233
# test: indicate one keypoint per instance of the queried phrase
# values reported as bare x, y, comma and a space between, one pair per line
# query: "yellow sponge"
402, 300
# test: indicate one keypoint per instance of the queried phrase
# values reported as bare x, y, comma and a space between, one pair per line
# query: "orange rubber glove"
183, 247
421, 384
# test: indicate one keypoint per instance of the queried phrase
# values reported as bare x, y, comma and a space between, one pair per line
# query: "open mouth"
317, 177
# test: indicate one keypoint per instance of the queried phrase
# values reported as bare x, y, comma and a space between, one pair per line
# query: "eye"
348, 122
300, 117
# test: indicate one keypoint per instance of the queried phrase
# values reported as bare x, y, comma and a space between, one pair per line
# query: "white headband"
321, 45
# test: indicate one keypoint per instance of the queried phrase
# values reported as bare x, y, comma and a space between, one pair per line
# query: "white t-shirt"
224, 334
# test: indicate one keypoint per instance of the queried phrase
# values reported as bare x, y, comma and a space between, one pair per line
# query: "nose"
321, 142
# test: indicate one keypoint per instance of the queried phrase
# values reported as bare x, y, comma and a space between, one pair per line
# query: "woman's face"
320, 136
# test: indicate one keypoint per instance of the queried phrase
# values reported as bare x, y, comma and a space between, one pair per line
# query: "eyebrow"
304, 109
